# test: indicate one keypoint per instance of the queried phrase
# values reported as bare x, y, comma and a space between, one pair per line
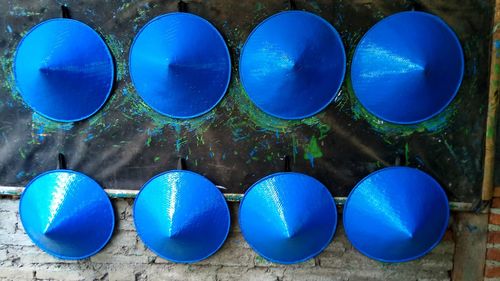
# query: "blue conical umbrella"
67, 214
396, 214
293, 64
407, 68
288, 217
181, 216
180, 65
63, 70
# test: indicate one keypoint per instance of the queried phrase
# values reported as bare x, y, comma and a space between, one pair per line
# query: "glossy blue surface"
288, 217
63, 70
181, 216
293, 64
67, 214
407, 68
396, 214
180, 65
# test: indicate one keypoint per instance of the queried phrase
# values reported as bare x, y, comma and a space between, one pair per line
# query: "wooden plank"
491, 120
470, 233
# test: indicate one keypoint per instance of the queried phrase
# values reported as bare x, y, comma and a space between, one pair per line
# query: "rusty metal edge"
230, 197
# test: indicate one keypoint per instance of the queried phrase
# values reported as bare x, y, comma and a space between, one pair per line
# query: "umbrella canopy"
407, 68
67, 214
63, 70
293, 64
288, 217
180, 65
181, 216
396, 214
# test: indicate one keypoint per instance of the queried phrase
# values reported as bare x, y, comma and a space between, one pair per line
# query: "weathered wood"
491, 119
470, 232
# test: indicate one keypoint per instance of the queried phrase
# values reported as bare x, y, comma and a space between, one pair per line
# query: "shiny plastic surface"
396, 214
181, 216
293, 64
67, 214
63, 70
288, 217
180, 65
407, 68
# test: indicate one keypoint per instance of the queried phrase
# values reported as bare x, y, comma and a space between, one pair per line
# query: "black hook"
61, 162
416, 5
292, 5
65, 12
287, 164
181, 163
182, 6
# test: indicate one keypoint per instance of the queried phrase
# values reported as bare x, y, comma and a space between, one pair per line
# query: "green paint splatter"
133, 107
260, 121
407, 155
118, 50
312, 151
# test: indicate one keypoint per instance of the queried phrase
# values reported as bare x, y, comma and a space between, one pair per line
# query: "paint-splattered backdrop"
126, 143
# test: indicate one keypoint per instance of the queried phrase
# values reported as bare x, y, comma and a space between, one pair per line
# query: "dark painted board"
234, 145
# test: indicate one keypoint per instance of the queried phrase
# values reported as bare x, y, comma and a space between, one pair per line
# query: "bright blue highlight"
181, 216
288, 217
67, 214
407, 68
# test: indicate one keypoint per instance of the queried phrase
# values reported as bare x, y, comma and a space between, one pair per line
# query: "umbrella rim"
221, 198
108, 55
344, 64
210, 26
456, 40
110, 209
414, 257
334, 216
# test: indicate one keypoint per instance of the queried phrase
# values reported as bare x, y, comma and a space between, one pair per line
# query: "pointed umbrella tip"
66, 214
288, 217
63, 70
196, 81
279, 64
396, 214
181, 216
407, 77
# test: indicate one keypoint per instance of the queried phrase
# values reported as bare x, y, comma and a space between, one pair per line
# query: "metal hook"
65, 12
415, 5
182, 6
287, 164
181, 164
61, 162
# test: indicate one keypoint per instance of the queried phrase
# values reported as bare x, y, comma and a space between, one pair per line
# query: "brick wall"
492, 268
126, 258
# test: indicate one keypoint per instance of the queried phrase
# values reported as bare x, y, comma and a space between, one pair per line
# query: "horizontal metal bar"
230, 197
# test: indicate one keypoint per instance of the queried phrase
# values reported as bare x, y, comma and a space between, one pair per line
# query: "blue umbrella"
288, 217
180, 65
63, 70
67, 214
293, 64
407, 68
181, 216
396, 214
